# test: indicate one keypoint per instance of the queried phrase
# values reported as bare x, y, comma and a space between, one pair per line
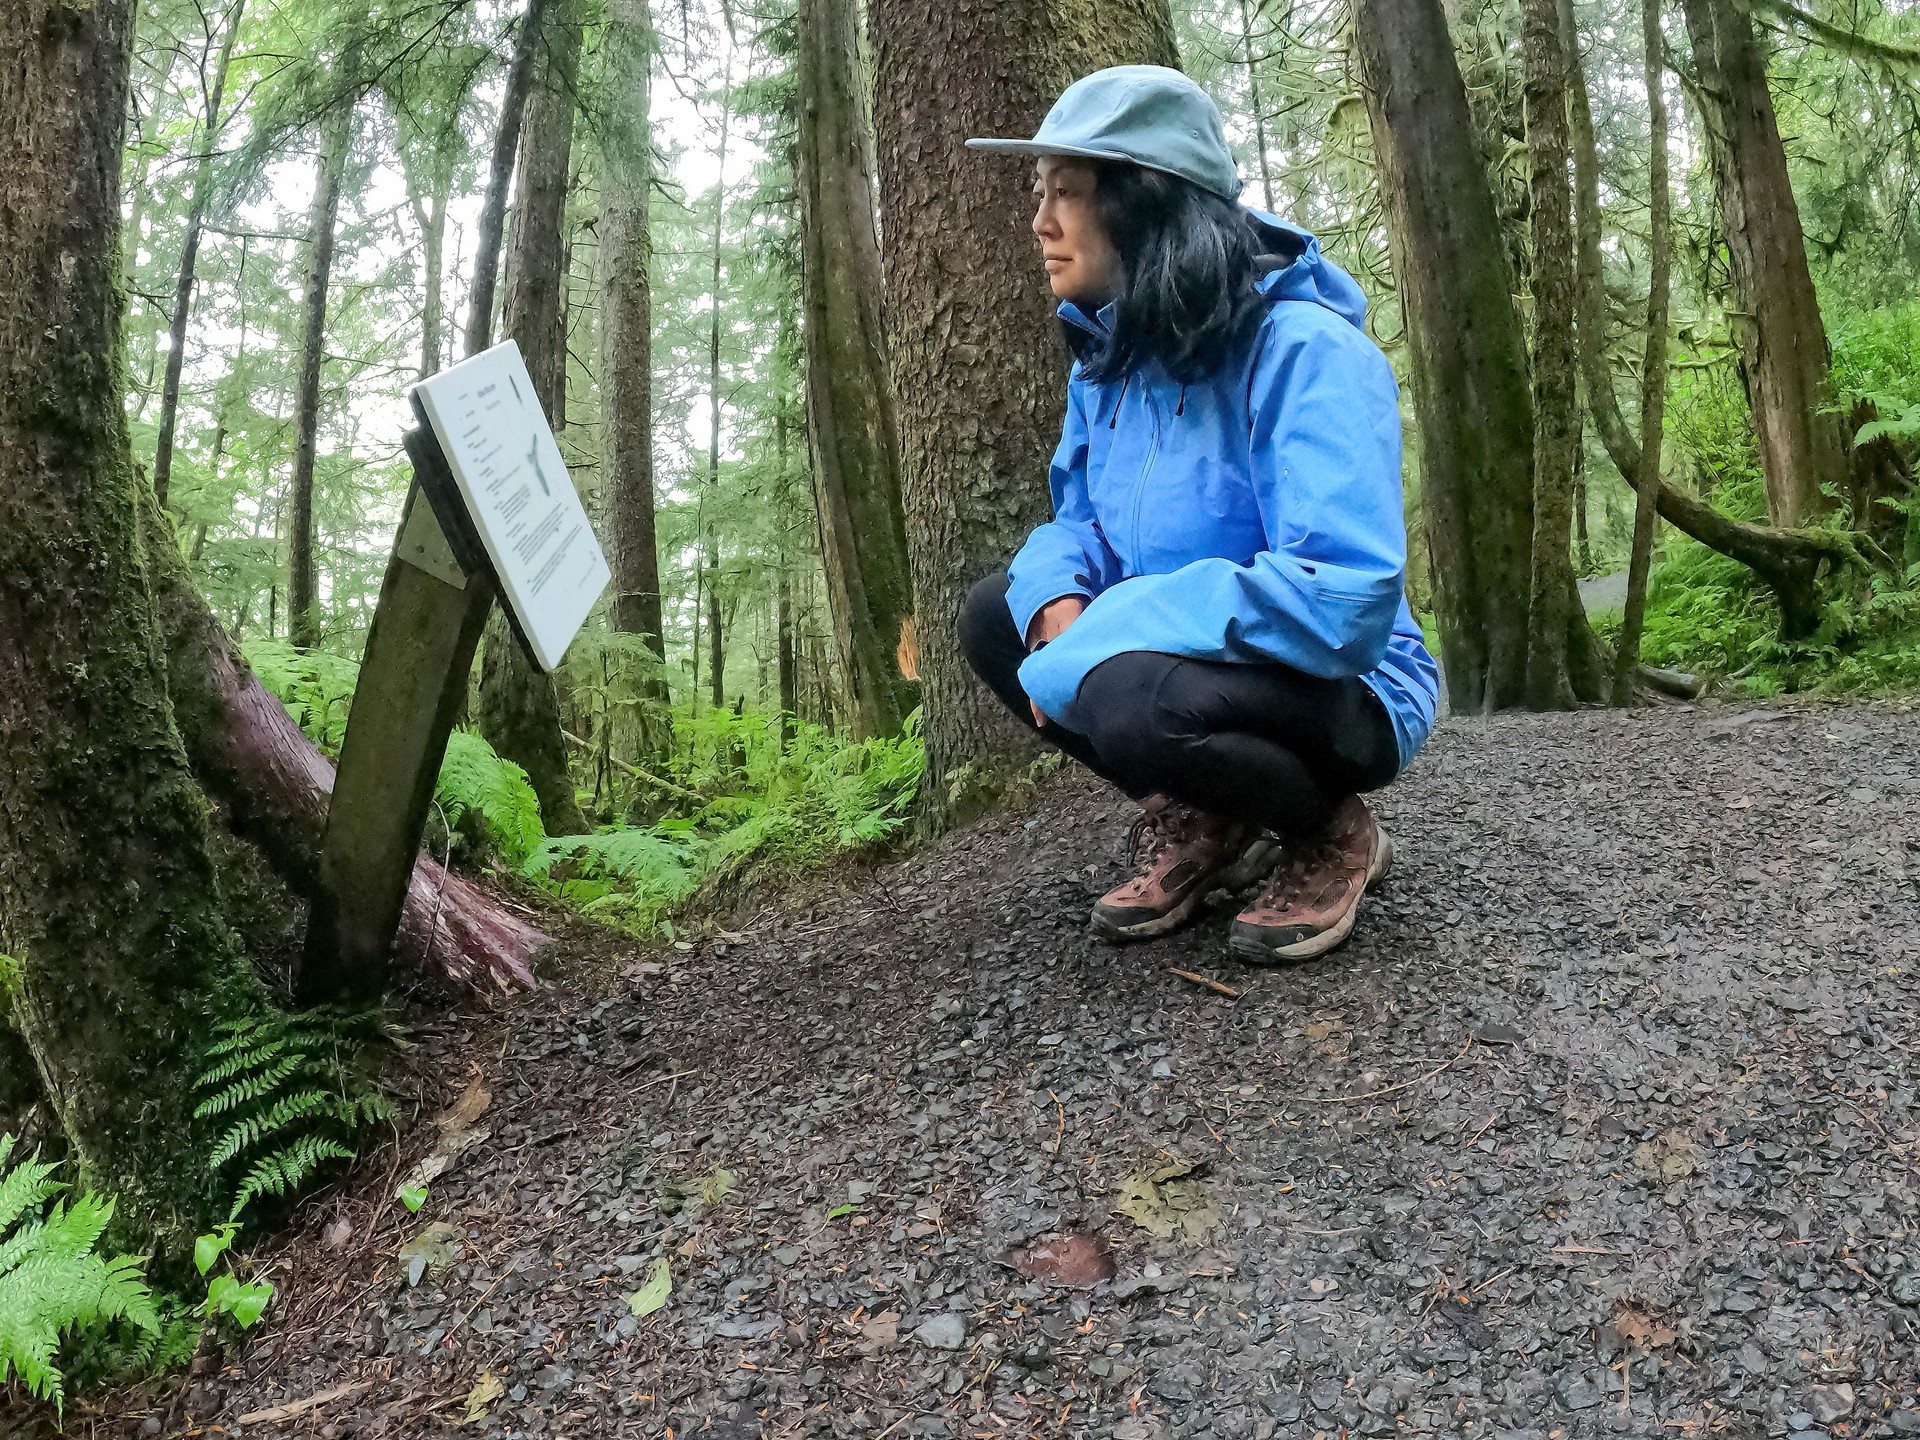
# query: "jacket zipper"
1146, 470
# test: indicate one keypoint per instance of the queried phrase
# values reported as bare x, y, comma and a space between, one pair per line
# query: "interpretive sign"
492, 513
517, 493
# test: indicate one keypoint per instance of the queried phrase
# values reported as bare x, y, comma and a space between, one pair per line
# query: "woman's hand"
1049, 623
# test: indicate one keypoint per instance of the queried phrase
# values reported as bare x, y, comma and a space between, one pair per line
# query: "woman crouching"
1214, 619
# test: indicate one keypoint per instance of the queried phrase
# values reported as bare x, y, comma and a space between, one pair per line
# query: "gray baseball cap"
1146, 114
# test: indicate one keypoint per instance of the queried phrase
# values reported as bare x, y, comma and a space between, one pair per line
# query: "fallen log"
248, 754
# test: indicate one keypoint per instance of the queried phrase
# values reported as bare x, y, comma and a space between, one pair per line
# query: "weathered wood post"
413, 678
491, 513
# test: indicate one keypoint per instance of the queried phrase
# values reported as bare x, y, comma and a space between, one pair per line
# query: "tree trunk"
851, 426
1553, 597
717, 656
785, 659
706, 523
977, 363
189, 255
1255, 102
1653, 369
430, 214
519, 711
336, 143
1784, 359
1788, 562
1465, 346
493, 208
626, 327
109, 900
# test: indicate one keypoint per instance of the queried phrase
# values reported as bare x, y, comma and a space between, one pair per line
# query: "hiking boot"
1310, 903
1196, 854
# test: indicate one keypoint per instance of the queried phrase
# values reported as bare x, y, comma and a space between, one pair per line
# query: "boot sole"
1165, 924
1257, 953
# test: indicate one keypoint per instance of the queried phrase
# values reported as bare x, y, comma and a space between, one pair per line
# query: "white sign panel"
516, 487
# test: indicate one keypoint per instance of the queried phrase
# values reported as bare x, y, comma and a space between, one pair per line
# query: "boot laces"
1166, 823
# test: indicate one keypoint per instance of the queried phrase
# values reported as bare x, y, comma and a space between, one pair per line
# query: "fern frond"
52, 1281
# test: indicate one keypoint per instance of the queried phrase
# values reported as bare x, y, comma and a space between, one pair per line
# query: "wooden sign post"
492, 511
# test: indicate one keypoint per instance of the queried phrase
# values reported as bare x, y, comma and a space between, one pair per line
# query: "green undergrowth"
766, 811
1708, 615
287, 1101
740, 802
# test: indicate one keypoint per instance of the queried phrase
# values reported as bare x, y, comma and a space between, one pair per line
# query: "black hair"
1188, 262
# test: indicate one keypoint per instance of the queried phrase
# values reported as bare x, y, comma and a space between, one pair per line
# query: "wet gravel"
1604, 1123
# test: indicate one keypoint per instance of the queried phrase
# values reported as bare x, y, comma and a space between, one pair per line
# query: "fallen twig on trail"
1375, 1094
295, 1409
1215, 985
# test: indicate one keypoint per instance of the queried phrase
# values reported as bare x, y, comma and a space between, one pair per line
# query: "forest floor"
1604, 1123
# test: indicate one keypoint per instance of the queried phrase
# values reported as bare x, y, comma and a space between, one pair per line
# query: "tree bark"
1784, 358
710, 495
852, 430
336, 143
785, 660
1553, 597
519, 710
979, 370
430, 214
1653, 367
189, 255
1465, 347
626, 327
493, 207
109, 899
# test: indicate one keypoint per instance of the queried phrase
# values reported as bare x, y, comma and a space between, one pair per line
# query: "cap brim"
1044, 147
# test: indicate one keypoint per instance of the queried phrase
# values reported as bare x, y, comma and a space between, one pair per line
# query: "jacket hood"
1300, 272
1294, 269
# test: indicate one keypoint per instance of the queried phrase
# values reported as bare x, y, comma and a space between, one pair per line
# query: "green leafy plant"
316, 688
487, 802
283, 1088
770, 811
54, 1283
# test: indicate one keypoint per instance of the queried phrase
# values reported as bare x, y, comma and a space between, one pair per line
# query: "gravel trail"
1605, 1123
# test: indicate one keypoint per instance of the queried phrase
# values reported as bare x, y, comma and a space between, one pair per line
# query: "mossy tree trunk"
977, 362
851, 426
1554, 609
109, 899
1470, 366
1784, 358
519, 708
626, 329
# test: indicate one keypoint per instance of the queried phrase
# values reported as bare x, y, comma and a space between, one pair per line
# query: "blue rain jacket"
1253, 517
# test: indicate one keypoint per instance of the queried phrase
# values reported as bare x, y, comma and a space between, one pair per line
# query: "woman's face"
1082, 265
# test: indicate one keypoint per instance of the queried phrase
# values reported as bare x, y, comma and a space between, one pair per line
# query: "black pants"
1262, 743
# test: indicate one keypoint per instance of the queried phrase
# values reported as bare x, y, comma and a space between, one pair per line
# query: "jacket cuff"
1024, 605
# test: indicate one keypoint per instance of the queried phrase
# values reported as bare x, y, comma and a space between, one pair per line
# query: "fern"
488, 800
778, 810
316, 688
53, 1283
290, 1105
